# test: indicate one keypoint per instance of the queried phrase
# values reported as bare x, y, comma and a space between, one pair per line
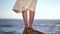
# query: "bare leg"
24, 13
31, 18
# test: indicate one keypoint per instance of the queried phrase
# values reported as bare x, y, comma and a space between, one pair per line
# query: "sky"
45, 9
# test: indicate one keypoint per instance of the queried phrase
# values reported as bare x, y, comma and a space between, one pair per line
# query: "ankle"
26, 26
30, 27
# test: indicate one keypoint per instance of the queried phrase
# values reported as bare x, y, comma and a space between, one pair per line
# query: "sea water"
46, 26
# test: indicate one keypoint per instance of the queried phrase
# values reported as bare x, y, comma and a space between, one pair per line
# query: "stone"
31, 31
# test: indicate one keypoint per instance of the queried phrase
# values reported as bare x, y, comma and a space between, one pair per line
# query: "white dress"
22, 5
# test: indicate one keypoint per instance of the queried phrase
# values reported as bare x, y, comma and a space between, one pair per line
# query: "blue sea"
17, 26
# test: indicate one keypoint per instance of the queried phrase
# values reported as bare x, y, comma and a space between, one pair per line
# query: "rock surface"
31, 31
